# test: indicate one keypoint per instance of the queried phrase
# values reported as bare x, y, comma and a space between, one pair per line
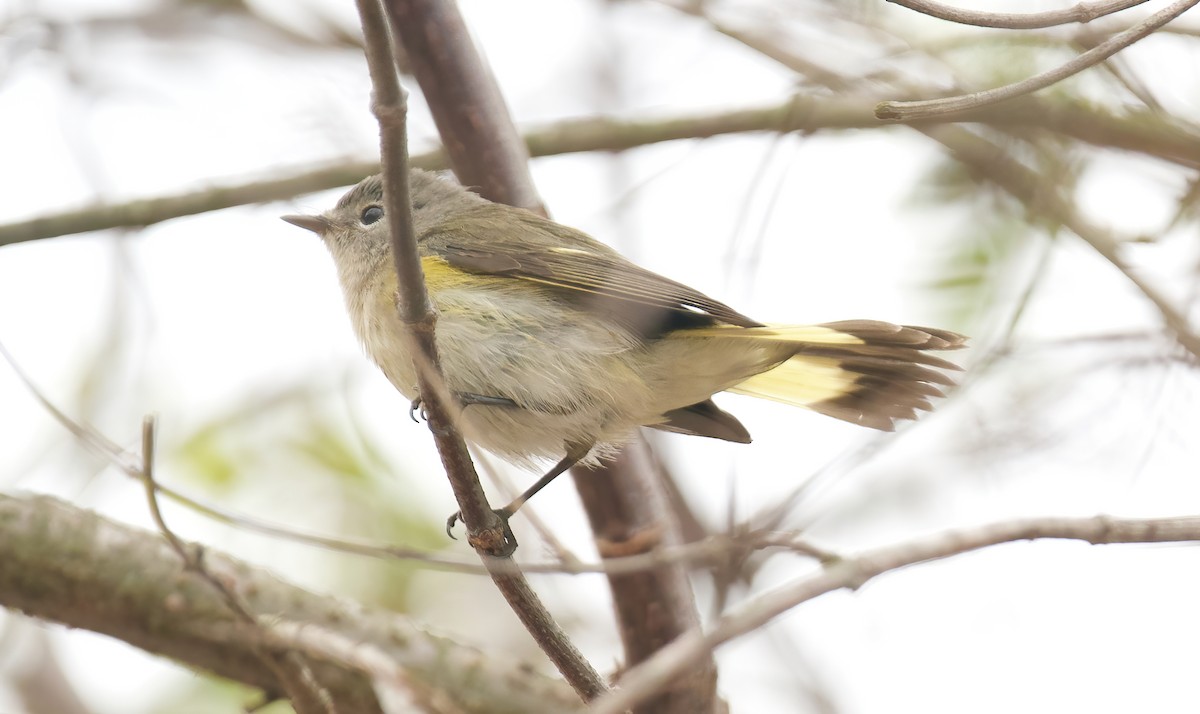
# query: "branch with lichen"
71, 566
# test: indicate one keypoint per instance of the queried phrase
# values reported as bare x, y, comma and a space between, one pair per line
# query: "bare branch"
853, 572
486, 532
1019, 181
1042, 199
147, 212
472, 118
929, 108
488, 154
1083, 12
1148, 132
68, 565
627, 509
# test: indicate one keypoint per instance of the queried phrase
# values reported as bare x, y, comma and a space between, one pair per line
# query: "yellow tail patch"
862, 371
800, 381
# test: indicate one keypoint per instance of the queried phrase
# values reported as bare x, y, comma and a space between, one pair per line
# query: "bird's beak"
316, 224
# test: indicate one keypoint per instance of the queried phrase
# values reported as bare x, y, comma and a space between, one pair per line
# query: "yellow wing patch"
441, 275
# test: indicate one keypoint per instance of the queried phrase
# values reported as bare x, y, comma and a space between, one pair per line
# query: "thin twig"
1083, 12
484, 527
1019, 181
1033, 192
853, 572
304, 692
389, 103
930, 108
395, 691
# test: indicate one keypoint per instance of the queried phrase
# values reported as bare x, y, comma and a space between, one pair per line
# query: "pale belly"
575, 379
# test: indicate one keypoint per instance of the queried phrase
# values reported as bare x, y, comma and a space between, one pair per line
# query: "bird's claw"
413, 411
508, 542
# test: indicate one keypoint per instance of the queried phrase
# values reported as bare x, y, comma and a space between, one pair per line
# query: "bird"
557, 347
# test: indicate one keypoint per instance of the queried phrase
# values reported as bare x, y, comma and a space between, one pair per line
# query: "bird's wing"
518, 244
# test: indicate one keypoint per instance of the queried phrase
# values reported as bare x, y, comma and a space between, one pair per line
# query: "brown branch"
654, 605
487, 153
1083, 12
929, 108
147, 212
390, 105
417, 23
1143, 131
472, 118
852, 572
67, 565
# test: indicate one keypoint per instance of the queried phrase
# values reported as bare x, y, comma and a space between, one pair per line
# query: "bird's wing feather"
555, 255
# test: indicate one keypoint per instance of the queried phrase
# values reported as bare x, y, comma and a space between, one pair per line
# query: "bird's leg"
465, 399
575, 454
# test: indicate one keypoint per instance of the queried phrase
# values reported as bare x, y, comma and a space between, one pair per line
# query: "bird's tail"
862, 371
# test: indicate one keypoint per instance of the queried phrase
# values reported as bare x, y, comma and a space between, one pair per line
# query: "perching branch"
416, 312
485, 530
487, 153
929, 108
852, 572
472, 118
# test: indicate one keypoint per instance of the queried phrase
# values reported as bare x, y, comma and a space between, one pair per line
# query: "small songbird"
558, 347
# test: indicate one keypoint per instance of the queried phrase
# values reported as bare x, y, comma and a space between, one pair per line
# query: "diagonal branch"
929, 108
485, 528
416, 312
1083, 12
1042, 199
853, 572
487, 153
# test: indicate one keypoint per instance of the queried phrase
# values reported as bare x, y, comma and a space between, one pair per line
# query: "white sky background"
225, 306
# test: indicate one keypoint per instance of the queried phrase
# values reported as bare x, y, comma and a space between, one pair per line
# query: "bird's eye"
371, 214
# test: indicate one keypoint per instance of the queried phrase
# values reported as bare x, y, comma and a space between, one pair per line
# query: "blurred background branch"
731, 145
1145, 131
81, 578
